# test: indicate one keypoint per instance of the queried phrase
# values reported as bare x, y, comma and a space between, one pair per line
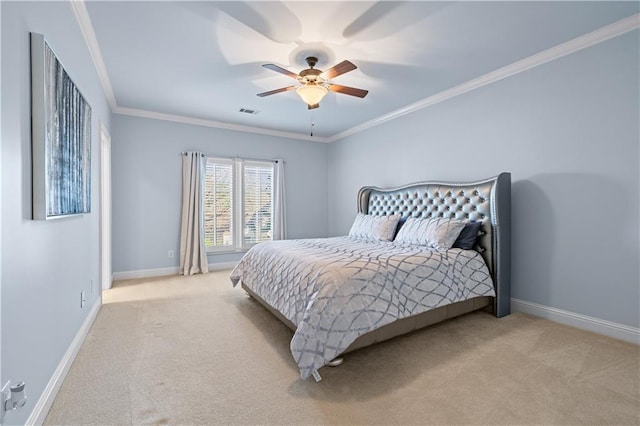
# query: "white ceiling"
201, 61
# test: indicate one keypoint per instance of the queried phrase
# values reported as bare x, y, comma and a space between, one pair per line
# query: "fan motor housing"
309, 72
311, 75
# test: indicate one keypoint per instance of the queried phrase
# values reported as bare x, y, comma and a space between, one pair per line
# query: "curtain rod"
237, 157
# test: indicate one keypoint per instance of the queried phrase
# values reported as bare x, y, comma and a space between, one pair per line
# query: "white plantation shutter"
238, 203
218, 204
257, 202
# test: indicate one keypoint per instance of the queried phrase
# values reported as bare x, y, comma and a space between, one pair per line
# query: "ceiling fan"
314, 83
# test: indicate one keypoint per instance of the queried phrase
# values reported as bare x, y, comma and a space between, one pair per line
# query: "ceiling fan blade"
314, 106
276, 68
348, 90
273, 92
336, 70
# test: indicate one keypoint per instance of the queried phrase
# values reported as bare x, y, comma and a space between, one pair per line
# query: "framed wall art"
61, 138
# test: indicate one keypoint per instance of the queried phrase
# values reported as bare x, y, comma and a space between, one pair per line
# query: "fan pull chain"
311, 122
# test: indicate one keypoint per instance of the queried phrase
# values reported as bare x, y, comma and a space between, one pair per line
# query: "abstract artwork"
61, 138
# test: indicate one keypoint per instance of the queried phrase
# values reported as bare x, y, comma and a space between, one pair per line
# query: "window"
218, 204
238, 203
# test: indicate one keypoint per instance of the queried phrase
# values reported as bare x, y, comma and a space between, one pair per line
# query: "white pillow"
438, 233
371, 227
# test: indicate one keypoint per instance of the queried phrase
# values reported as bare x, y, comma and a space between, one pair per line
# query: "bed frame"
487, 200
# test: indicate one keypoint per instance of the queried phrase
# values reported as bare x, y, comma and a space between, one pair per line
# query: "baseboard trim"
160, 272
41, 409
584, 322
221, 266
144, 273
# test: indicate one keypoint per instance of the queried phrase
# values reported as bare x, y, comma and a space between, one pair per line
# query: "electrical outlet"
91, 286
170, 254
82, 299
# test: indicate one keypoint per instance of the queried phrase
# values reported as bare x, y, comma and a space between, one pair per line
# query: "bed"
343, 293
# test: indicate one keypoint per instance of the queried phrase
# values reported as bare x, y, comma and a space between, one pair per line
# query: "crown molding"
215, 124
84, 21
598, 36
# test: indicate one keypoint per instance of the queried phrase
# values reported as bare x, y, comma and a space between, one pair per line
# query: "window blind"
218, 204
258, 206
238, 203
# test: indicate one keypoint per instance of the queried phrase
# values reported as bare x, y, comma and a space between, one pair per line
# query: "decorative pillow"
439, 233
467, 238
371, 227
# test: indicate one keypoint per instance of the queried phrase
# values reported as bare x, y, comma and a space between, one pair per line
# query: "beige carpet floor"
194, 350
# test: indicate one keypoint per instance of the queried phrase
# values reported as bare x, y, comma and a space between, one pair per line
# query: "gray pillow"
438, 233
467, 238
381, 228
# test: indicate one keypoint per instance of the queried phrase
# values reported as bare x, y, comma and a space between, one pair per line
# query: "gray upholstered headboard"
487, 200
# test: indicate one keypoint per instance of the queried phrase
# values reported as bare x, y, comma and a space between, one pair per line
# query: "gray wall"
147, 188
45, 264
567, 130
568, 133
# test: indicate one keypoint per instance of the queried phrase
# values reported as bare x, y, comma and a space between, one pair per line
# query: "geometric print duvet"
336, 289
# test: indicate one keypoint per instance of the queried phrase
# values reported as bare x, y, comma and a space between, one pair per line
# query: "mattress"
337, 289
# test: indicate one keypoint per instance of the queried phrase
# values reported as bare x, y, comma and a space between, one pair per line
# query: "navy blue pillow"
467, 238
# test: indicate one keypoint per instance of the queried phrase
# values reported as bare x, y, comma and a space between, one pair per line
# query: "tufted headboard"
487, 200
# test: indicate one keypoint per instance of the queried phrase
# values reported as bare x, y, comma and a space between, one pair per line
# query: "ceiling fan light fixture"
311, 94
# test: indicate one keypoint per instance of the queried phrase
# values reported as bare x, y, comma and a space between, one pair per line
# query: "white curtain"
193, 253
279, 216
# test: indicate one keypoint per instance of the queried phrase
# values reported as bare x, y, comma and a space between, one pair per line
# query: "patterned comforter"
336, 289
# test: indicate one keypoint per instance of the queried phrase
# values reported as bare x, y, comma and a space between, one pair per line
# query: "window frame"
230, 161
238, 190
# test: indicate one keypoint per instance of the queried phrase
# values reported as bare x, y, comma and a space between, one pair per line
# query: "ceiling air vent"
249, 111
